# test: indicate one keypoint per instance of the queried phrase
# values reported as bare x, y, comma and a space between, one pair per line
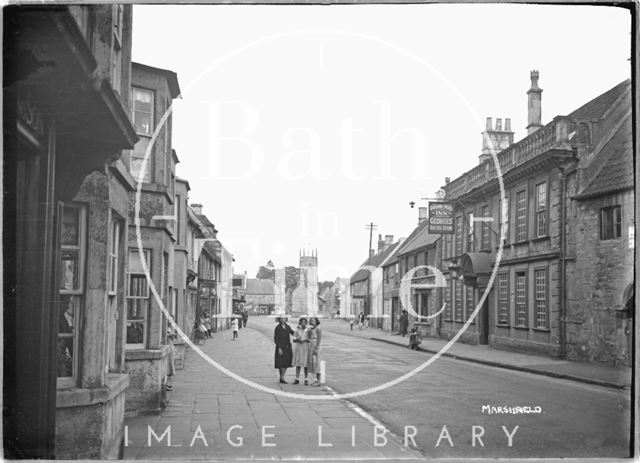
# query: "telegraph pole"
370, 227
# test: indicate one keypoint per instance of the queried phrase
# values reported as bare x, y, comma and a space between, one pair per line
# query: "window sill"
520, 327
115, 384
541, 238
520, 243
502, 325
147, 354
542, 330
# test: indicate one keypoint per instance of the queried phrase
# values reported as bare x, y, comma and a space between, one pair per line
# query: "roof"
186, 182
419, 238
172, 77
374, 261
616, 173
260, 286
599, 106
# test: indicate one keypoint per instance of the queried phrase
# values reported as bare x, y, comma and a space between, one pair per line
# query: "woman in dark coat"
284, 353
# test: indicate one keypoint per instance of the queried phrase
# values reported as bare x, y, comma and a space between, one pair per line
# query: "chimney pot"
447, 180
534, 104
507, 124
423, 213
499, 124
489, 124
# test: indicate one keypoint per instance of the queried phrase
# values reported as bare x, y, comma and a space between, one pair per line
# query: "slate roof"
374, 261
598, 107
259, 286
419, 238
616, 173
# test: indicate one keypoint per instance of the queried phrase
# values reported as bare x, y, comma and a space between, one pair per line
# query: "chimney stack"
495, 138
423, 214
197, 208
381, 243
534, 104
447, 180
388, 240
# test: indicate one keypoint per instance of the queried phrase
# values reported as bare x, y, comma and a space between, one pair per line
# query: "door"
394, 314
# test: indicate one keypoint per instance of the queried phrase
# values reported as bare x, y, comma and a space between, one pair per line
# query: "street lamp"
454, 269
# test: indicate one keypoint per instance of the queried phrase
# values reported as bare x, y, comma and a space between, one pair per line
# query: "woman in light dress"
301, 350
315, 337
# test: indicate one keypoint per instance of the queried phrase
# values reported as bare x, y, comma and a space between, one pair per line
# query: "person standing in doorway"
283, 354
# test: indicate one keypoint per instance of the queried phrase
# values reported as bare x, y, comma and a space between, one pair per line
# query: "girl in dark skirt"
284, 353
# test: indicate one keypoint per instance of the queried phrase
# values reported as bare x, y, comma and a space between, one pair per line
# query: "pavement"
601, 375
211, 415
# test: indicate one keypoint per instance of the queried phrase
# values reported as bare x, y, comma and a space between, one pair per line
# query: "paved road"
576, 420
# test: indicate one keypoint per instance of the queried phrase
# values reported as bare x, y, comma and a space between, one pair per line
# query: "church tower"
305, 296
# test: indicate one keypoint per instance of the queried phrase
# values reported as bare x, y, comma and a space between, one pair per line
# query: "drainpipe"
563, 266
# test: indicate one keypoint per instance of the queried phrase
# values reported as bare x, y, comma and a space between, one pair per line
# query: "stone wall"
147, 370
90, 422
601, 271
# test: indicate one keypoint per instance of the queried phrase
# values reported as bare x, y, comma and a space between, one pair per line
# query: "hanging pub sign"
441, 218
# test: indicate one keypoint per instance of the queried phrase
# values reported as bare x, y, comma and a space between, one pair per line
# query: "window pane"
135, 332
135, 262
521, 218
71, 226
143, 123
503, 298
69, 278
65, 357
541, 298
521, 293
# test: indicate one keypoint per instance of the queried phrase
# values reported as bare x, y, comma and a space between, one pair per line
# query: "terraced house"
66, 132
563, 280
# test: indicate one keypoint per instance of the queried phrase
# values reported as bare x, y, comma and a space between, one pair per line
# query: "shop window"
541, 209
521, 215
541, 299
503, 299
137, 299
610, 223
521, 299
73, 251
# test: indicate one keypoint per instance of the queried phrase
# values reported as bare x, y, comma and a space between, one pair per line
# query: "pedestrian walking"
360, 320
234, 328
404, 322
301, 350
283, 353
315, 337
245, 318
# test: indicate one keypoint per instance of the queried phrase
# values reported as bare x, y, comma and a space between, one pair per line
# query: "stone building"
66, 122
366, 284
305, 295
419, 294
566, 247
260, 296
153, 91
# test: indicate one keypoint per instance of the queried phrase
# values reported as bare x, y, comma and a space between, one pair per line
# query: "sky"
299, 125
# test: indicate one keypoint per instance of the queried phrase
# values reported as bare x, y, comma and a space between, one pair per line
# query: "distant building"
305, 295
260, 296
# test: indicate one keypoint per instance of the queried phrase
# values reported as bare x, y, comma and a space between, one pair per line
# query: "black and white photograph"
189, 188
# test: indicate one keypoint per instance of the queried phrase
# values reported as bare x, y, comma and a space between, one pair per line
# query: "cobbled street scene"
319, 232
